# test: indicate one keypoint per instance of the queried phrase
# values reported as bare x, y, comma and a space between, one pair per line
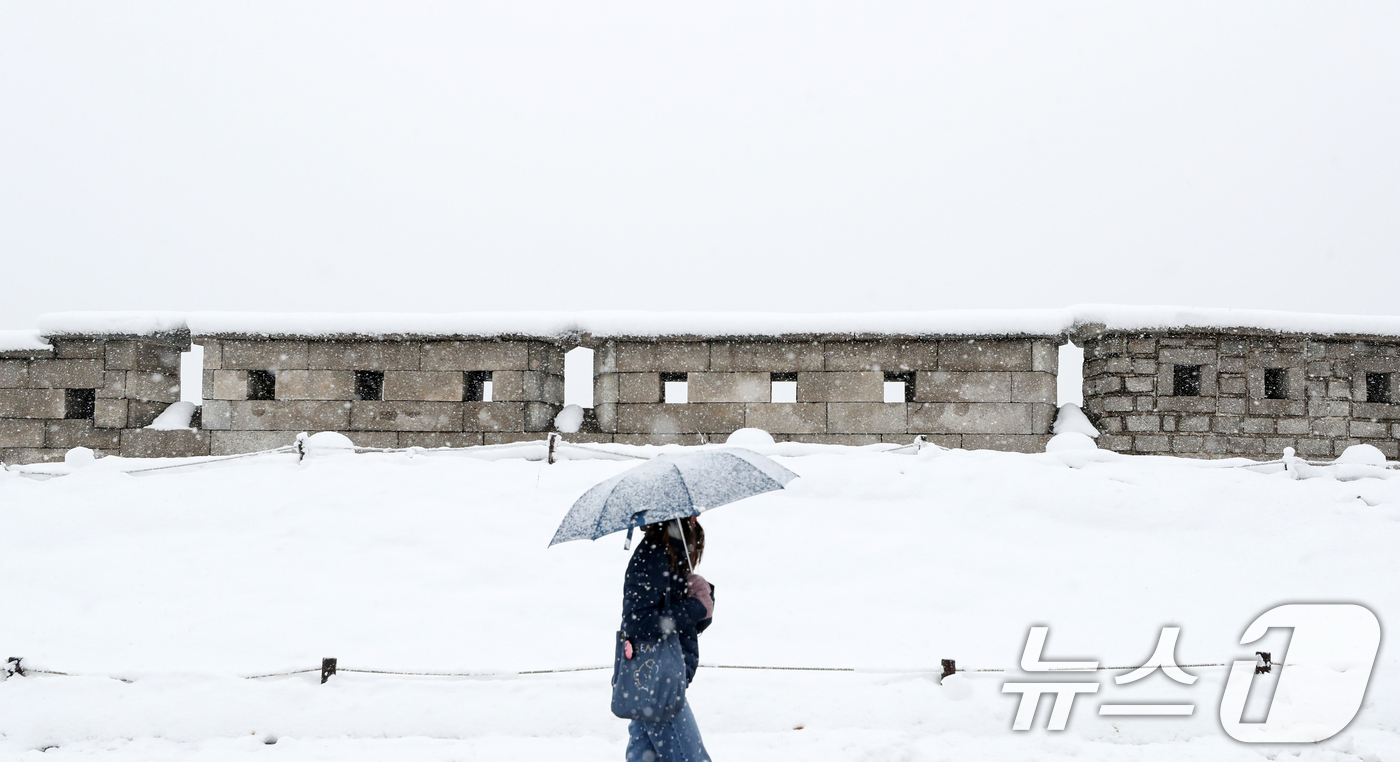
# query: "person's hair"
694, 535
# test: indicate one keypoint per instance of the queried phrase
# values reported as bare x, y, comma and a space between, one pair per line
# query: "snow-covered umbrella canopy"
670, 487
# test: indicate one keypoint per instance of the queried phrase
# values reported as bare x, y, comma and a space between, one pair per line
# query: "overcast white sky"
685, 155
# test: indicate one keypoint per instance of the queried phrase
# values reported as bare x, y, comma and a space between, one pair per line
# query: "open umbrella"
670, 487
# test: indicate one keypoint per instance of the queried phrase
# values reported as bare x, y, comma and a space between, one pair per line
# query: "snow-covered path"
183, 580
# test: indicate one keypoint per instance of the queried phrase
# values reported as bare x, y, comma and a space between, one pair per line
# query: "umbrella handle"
684, 545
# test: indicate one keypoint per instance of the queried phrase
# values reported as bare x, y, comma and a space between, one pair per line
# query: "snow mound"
1070, 440
957, 688
749, 438
1361, 454
174, 418
569, 419
327, 443
79, 457
1071, 418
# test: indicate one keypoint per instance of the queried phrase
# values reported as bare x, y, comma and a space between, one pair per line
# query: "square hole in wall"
899, 386
784, 387
369, 384
262, 385
1378, 387
478, 386
79, 404
1276, 383
1186, 381
675, 388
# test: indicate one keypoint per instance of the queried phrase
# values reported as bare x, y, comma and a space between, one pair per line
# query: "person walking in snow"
662, 594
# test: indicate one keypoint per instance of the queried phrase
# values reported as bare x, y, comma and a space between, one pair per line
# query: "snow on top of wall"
113, 323
606, 324
22, 341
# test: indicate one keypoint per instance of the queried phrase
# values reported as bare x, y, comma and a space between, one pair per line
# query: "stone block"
1136, 423
1340, 389
1278, 408
1368, 429
76, 349
1045, 357
65, 435
235, 442
730, 387
1140, 384
31, 403
1169, 422
216, 414
1111, 424
867, 418
1335, 408
408, 415
1226, 424
22, 456
1213, 445
1145, 367
546, 358
312, 384
14, 374
1275, 445
1034, 387
288, 415
265, 355
1116, 443
153, 386
21, 433
787, 417
110, 414
985, 355
213, 354
439, 386
544, 387
660, 439
1329, 427
476, 355
1116, 404
1151, 443
1116, 365
664, 356
1259, 426
1377, 410
715, 417
65, 374
605, 358
842, 386
765, 356
140, 413
1293, 426
883, 356
150, 443
1232, 405
1142, 346
1183, 443
1102, 385
638, 387
945, 386
434, 439
605, 389
1005, 442
493, 416
606, 414
149, 356
229, 384
539, 416
581, 437
1244, 445
1229, 384
363, 355
1196, 423
971, 418
113, 385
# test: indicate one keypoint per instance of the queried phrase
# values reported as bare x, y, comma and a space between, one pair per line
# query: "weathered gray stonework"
982, 392
130, 380
1130, 394
424, 398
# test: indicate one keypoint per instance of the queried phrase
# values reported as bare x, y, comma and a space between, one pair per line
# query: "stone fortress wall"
1156, 380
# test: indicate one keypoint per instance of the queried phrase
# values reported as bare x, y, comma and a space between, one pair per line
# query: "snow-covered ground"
183, 581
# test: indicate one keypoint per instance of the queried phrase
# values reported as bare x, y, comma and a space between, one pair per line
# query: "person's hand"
696, 587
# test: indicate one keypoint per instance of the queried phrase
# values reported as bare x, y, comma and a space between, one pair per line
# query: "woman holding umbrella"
665, 604
662, 594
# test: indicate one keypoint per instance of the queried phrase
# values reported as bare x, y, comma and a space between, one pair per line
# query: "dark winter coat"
655, 604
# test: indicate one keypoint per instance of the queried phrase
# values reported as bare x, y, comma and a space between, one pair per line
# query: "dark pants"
673, 740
